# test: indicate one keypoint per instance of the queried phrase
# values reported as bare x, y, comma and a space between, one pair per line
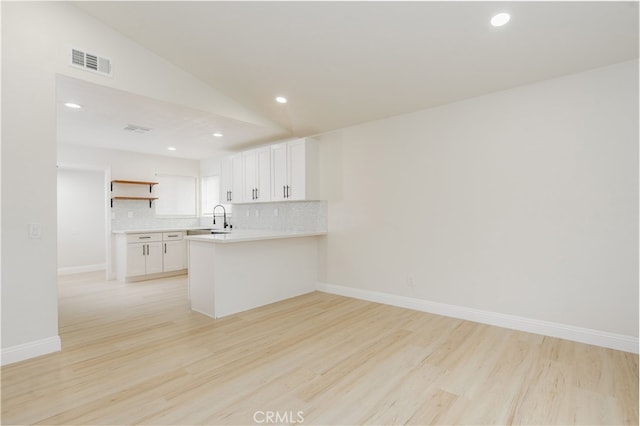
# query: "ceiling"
107, 113
344, 63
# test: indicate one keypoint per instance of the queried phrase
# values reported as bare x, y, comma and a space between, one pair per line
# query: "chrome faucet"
224, 213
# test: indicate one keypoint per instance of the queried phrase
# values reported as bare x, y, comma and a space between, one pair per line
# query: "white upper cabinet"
285, 171
257, 175
294, 170
231, 179
226, 179
279, 171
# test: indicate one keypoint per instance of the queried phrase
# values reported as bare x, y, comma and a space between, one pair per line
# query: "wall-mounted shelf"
134, 182
150, 199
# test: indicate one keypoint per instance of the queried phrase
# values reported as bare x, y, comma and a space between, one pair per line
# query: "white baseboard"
546, 328
30, 350
80, 269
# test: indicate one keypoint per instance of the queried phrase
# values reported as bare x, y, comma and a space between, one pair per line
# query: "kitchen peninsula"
230, 273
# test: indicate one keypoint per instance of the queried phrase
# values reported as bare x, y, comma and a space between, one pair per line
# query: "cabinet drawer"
144, 238
168, 236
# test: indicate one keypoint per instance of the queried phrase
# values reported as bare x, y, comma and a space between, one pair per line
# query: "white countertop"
174, 229
238, 236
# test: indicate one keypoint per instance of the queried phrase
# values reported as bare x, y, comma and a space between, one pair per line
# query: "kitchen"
508, 201
217, 258
154, 203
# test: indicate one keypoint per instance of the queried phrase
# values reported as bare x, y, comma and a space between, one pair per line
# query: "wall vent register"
90, 62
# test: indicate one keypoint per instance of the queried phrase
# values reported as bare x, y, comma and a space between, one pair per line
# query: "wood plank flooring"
136, 354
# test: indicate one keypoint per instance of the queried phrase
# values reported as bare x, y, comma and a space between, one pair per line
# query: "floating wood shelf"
134, 182
150, 199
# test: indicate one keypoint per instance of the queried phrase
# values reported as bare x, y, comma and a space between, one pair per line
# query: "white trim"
146, 277
30, 350
68, 270
530, 325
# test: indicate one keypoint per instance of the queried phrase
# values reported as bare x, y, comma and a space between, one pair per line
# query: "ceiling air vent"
90, 62
136, 129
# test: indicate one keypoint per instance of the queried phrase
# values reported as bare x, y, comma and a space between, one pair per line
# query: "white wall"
124, 165
522, 202
81, 220
211, 166
127, 165
29, 298
36, 37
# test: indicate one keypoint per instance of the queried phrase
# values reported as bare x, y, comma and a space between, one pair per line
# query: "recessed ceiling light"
281, 100
500, 19
171, 148
72, 105
218, 135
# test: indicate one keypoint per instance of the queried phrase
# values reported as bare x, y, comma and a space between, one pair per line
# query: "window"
210, 193
176, 195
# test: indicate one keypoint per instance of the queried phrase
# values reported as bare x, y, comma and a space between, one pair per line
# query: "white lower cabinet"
148, 255
144, 258
174, 251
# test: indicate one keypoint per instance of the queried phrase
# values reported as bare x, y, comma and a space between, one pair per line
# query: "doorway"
82, 224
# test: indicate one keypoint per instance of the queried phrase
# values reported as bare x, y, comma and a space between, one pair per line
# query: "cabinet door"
237, 181
231, 179
154, 257
226, 179
297, 170
278, 171
136, 259
263, 174
174, 255
250, 176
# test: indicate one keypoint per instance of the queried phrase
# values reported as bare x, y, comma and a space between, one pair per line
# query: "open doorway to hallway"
82, 245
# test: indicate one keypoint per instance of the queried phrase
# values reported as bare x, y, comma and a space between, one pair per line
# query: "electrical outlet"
275, 212
129, 215
35, 231
410, 281
257, 213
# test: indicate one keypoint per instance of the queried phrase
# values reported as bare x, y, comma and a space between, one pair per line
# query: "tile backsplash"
283, 216
292, 216
138, 215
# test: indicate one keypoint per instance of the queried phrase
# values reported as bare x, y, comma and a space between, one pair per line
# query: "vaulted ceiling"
344, 63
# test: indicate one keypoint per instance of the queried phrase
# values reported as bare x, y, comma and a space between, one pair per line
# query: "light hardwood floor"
135, 353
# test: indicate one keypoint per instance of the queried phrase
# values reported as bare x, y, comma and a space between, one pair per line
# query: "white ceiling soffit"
115, 119
343, 63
